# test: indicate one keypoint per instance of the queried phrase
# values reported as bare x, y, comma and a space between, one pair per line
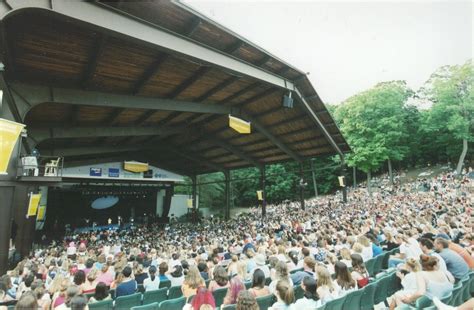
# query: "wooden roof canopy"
90, 83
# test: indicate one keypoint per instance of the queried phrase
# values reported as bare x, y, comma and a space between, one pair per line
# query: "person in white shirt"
153, 282
310, 299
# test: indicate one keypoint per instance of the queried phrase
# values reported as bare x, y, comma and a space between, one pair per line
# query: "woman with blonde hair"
58, 290
367, 251
192, 282
407, 275
242, 271
284, 294
326, 290
346, 257
91, 283
232, 268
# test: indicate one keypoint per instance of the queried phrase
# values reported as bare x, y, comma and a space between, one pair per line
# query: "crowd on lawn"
323, 249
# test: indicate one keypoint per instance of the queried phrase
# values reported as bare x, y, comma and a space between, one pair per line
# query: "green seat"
381, 289
248, 285
423, 302
129, 301
175, 292
298, 291
152, 306
394, 284
229, 307
446, 299
265, 302
466, 288
471, 277
378, 263
219, 295
457, 292
172, 304
353, 299
165, 283
104, 304
386, 256
369, 265
112, 293
296, 270
367, 301
157, 296
335, 304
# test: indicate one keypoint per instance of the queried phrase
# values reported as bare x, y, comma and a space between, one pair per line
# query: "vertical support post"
302, 186
344, 188
354, 176
313, 173
264, 192
194, 191
6, 192
227, 194
26, 225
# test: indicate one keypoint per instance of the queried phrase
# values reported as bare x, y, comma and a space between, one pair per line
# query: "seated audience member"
203, 300
27, 301
140, 274
203, 270
359, 273
246, 301
192, 281
284, 294
79, 302
220, 279
408, 276
326, 290
344, 279
259, 288
430, 282
455, 264
261, 264
235, 287
153, 282
176, 276
163, 268
280, 274
310, 298
105, 275
308, 270
89, 285
128, 286
71, 292
101, 293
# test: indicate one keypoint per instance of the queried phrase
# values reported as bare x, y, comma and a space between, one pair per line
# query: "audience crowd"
322, 248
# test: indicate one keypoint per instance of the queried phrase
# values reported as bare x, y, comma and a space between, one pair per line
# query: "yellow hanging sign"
41, 213
260, 195
190, 203
239, 125
9, 132
33, 205
135, 166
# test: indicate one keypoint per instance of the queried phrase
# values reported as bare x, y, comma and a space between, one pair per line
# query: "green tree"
373, 124
452, 114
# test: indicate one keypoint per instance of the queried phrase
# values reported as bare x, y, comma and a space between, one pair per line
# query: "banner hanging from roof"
9, 132
33, 204
239, 125
135, 166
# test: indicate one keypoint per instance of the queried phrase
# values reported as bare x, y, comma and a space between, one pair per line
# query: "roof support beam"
195, 23
123, 25
94, 60
150, 72
35, 94
318, 122
42, 134
234, 150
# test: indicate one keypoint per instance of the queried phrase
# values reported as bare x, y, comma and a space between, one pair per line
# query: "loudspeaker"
287, 102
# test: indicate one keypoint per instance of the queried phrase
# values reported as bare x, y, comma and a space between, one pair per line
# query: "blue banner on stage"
95, 172
114, 172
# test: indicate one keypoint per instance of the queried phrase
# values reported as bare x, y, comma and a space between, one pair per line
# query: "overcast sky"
349, 46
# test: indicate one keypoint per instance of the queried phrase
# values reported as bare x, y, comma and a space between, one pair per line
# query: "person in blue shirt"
163, 268
128, 286
376, 248
454, 262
